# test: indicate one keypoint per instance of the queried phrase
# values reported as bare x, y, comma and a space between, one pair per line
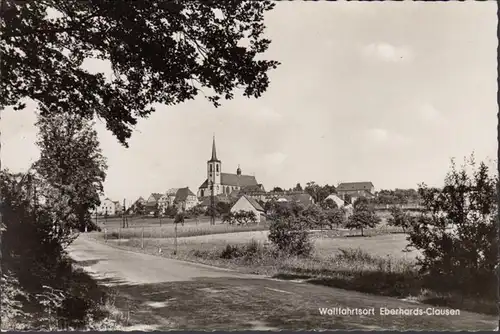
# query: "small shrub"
113, 235
231, 252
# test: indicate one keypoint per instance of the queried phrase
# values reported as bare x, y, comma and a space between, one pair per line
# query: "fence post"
119, 235
159, 246
175, 251
142, 238
105, 234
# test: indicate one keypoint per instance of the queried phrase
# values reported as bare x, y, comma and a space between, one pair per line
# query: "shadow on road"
253, 304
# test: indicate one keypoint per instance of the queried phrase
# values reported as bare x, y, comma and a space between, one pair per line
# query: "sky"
385, 92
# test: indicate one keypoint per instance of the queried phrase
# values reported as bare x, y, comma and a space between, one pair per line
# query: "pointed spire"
214, 152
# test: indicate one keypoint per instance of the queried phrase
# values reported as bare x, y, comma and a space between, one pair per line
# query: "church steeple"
214, 152
214, 171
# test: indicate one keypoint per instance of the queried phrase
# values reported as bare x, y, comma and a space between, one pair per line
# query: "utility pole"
212, 205
123, 213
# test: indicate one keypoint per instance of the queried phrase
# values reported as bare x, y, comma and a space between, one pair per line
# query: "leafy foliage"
240, 218
457, 232
317, 192
288, 230
363, 215
222, 208
34, 262
179, 218
396, 196
399, 218
72, 167
171, 211
160, 52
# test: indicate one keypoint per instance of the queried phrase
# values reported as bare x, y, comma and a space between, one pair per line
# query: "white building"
245, 203
337, 200
107, 207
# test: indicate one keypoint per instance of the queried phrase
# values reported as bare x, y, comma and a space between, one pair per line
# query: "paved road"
162, 294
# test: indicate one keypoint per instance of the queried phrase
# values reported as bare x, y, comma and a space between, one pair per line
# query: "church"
224, 183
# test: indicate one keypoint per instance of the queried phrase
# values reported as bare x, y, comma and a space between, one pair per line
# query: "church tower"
214, 170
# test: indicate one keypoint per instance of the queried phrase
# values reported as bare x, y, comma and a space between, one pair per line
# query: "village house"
356, 190
151, 203
223, 183
248, 204
185, 199
337, 200
107, 207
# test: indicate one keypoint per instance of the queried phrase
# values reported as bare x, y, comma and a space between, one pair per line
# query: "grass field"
169, 231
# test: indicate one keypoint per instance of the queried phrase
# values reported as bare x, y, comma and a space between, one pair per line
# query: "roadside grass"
75, 301
358, 267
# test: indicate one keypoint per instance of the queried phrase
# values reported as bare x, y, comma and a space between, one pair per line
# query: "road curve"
173, 294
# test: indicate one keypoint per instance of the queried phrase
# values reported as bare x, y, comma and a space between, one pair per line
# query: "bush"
399, 218
457, 233
231, 252
290, 236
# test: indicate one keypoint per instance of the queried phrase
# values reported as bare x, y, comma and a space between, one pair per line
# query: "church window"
210, 168
217, 167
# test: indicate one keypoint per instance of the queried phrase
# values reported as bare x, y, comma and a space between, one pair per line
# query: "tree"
288, 231
171, 211
157, 210
363, 216
457, 231
348, 199
313, 189
179, 218
140, 209
329, 204
163, 52
298, 187
399, 218
222, 208
72, 166
195, 212
277, 190
317, 192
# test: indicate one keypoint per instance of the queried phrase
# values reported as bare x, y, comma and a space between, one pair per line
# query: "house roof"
253, 202
355, 186
171, 191
304, 199
255, 188
156, 196
182, 194
339, 201
228, 179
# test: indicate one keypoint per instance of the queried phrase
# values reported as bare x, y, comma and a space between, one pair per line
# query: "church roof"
228, 179
214, 152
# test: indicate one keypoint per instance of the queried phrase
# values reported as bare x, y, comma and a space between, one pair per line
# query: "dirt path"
172, 294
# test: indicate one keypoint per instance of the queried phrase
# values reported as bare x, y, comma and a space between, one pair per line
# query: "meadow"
375, 263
